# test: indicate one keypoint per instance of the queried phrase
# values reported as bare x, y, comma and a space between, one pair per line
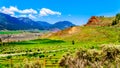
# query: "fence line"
45, 63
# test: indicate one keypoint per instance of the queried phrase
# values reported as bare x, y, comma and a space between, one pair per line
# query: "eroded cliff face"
100, 21
93, 21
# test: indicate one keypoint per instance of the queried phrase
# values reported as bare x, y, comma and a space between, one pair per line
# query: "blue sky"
76, 11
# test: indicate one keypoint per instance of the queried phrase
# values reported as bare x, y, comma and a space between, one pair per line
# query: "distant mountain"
45, 25
8, 22
11, 23
62, 25
31, 23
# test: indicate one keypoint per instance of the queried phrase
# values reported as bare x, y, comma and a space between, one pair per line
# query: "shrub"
35, 54
54, 54
109, 56
42, 56
9, 57
37, 64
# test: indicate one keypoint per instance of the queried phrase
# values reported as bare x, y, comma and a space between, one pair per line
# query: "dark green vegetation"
37, 41
117, 20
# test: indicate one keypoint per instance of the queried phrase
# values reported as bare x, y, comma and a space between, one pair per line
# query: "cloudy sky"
76, 11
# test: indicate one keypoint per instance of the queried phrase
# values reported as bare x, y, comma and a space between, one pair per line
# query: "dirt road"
20, 37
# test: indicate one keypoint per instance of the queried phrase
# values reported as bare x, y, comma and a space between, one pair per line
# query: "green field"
48, 52
42, 48
52, 50
23, 31
10, 32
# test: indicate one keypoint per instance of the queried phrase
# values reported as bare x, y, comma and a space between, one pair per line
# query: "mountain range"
8, 22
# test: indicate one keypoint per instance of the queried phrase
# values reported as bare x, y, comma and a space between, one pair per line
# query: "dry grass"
107, 57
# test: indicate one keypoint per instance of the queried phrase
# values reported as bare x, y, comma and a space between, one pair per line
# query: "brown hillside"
68, 31
93, 21
100, 21
63, 33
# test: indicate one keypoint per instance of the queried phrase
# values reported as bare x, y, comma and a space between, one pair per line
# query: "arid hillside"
100, 21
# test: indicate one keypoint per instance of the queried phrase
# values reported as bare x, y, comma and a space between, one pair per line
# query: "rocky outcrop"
100, 21
93, 21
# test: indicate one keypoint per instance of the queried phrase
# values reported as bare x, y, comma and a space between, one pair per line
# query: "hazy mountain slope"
62, 25
45, 25
11, 23
32, 24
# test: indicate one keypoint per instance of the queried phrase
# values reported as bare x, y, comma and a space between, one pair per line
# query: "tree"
114, 22
119, 38
0, 41
117, 19
73, 42
118, 16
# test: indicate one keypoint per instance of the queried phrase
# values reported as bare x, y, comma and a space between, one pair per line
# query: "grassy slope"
93, 32
106, 21
88, 34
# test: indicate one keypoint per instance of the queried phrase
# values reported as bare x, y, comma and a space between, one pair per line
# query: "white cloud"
46, 12
31, 16
28, 11
11, 10
22, 16
31, 13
